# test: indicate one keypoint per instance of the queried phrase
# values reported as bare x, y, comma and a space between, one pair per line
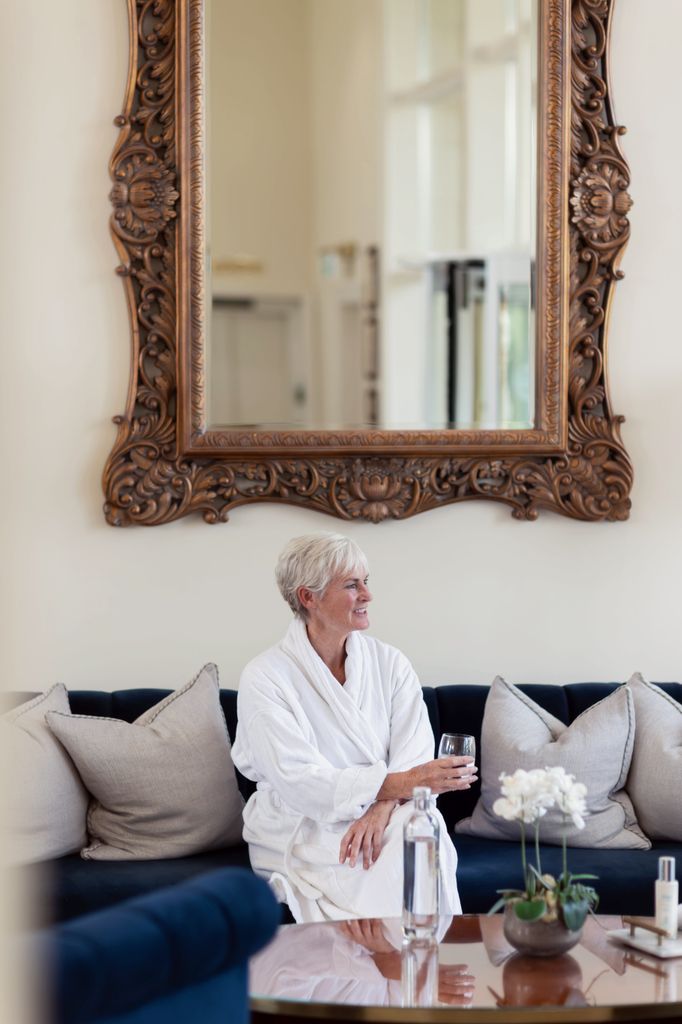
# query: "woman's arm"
365, 835
410, 761
443, 775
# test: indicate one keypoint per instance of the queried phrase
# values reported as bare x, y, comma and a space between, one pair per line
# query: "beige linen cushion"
47, 803
655, 780
163, 786
596, 748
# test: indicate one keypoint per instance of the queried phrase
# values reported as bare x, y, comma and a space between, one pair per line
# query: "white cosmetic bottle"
667, 897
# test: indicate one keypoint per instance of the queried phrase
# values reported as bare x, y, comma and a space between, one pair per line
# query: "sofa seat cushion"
78, 886
625, 883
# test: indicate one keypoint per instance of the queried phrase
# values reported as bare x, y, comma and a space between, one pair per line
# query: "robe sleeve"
271, 746
412, 741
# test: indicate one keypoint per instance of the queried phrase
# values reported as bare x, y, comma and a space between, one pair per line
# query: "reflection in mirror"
371, 213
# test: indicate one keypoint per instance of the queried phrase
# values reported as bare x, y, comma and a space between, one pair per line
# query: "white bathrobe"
319, 753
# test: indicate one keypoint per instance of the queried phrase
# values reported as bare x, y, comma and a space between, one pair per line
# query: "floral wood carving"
165, 464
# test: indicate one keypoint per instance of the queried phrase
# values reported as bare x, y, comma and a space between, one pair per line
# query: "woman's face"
342, 607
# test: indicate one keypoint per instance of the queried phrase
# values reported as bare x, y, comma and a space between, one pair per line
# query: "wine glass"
457, 744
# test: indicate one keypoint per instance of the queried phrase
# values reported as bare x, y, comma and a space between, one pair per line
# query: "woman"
333, 728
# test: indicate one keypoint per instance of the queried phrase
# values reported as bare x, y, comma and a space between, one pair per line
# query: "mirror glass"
371, 213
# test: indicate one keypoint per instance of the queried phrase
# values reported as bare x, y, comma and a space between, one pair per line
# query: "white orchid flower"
569, 795
526, 798
528, 795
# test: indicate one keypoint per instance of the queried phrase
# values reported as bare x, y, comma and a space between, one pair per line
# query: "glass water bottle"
419, 973
420, 868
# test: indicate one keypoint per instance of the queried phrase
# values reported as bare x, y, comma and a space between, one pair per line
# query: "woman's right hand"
443, 775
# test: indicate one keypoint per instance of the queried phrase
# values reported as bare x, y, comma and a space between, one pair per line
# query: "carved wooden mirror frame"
165, 464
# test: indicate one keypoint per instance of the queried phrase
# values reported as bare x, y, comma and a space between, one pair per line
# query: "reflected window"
371, 213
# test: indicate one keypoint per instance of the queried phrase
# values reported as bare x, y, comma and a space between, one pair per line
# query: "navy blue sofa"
626, 877
174, 955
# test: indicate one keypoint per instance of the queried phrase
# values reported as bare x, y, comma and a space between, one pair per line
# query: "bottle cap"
424, 793
666, 869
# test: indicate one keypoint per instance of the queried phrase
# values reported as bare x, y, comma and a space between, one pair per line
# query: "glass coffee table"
361, 971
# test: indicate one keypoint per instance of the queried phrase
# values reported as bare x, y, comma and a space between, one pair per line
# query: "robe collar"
346, 701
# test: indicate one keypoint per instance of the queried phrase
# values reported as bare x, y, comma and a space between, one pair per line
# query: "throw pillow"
655, 779
163, 786
596, 748
46, 801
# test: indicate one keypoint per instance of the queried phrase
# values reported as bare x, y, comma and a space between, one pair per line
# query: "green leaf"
498, 904
574, 914
541, 880
578, 893
530, 910
573, 878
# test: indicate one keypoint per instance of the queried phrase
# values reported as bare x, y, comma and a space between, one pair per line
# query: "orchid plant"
526, 798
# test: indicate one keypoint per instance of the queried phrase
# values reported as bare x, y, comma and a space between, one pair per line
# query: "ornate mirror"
368, 248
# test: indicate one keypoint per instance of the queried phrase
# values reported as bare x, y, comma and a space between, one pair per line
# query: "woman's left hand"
366, 834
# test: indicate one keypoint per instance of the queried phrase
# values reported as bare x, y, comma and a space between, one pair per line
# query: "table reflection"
362, 962
531, 981
469, 964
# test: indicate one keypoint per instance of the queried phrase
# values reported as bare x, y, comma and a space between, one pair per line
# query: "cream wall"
465, 590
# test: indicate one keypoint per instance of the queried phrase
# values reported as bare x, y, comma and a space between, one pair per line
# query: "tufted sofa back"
460, 709
451, 709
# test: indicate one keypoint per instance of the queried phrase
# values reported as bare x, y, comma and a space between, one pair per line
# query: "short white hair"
313, 561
